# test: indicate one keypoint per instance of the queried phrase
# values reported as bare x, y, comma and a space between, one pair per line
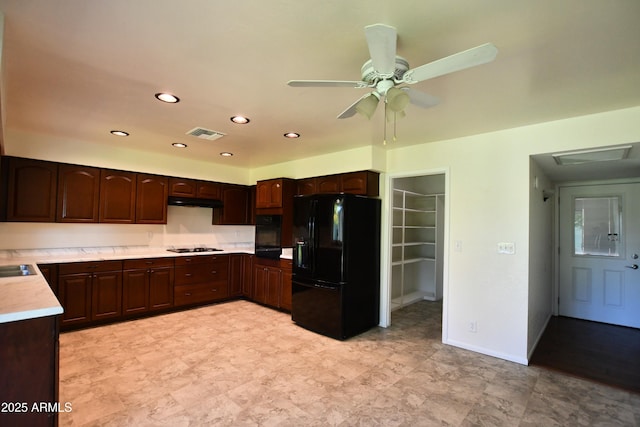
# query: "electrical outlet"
457, 246
508, 248
473, 326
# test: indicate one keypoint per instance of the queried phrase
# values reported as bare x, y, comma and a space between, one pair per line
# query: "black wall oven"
268, 234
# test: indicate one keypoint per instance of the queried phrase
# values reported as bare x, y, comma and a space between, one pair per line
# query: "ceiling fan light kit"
386, 71
367, 105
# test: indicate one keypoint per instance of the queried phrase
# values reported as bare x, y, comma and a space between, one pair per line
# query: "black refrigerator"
336, 264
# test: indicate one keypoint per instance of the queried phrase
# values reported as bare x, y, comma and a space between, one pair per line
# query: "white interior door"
599, 250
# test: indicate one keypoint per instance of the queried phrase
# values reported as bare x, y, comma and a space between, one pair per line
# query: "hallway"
607, 354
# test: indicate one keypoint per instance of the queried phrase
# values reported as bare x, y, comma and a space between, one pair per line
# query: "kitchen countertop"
28, 297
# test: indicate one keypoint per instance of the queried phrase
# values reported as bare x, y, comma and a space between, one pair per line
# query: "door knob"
634, 266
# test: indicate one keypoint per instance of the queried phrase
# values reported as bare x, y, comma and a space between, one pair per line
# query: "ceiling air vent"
208, 134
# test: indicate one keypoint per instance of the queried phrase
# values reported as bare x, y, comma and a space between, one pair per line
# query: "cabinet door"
263, 194
235, 209
183, 187
74, 291
31, 195
235, 275
29, 357
209, 190
247, 276
260, 284
151, 199
328, 184
135, 291
364, 183
161, 288
78, 194
274, 286
106, 295
306, 186
285, 296
117, 196
267, 285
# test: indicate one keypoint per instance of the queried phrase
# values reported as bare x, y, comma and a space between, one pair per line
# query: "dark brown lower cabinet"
29, 373
90, 291
147, 285
201, 279
272, 282
236, 272
285, 297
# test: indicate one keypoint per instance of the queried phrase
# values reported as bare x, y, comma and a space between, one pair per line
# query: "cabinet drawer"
134, 264
201, 273
197, 259
89, 267
198, 293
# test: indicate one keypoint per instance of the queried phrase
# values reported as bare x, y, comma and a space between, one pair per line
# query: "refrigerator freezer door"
318, 308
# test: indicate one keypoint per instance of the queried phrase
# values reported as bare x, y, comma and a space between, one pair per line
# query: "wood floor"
600, 352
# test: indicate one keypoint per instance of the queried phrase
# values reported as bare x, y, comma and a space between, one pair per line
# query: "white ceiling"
76, 69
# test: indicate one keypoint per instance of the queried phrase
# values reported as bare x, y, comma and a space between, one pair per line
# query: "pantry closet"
417, 239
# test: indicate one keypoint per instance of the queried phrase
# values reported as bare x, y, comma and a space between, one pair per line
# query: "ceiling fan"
385, 71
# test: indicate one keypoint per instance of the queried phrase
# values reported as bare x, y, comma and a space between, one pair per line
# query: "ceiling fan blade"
326, 83
456, 62
351, 110
382, 41
421, 99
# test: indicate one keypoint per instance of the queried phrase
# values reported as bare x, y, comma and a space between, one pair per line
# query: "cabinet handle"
149, 262
188, 274
187, 294
151, 271
214, 290
214, 272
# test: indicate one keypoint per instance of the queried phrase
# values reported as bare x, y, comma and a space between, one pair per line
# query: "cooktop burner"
192, 250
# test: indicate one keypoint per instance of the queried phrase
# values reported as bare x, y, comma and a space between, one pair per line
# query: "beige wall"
489, 182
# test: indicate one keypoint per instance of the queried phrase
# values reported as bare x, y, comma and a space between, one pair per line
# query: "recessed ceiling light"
119, 133
241, 120
292, 135
179, 145
226, 154
167, 97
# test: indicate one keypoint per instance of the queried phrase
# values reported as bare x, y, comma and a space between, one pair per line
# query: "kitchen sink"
17, 270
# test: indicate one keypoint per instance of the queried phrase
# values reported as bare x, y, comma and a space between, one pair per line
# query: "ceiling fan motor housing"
371, 76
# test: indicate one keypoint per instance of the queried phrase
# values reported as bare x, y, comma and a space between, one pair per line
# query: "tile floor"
241, 364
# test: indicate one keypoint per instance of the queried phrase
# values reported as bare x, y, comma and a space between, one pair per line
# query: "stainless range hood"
193, 202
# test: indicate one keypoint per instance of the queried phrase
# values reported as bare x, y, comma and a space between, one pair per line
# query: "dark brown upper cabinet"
117, 196
78, 193
365, 183
152, 192
306, 186
328, 184
31, 189
184, 187
209, 190
235, 208
274, 193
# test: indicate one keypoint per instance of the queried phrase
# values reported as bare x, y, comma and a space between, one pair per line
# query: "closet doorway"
417, 216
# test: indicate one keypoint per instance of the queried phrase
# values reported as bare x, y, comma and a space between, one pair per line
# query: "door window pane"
597, 226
